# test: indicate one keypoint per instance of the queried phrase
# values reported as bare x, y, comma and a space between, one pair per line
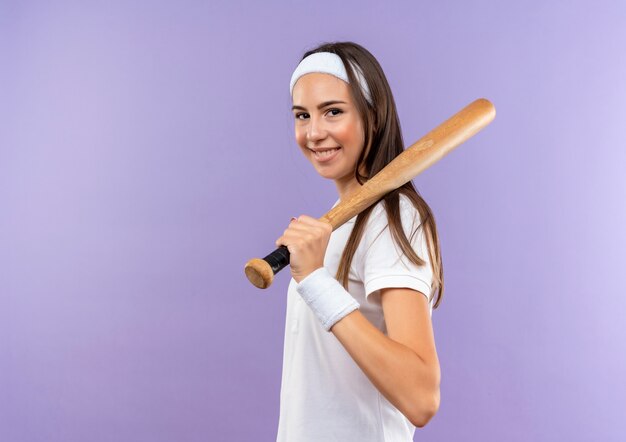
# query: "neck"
345, 187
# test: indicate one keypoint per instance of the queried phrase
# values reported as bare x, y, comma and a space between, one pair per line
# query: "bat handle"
261, 272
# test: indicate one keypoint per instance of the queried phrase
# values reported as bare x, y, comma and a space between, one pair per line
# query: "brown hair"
383, 142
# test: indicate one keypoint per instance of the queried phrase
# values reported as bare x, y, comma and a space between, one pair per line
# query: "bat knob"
260, 272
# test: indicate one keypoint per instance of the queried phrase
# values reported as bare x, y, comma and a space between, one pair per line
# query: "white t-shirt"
325, 396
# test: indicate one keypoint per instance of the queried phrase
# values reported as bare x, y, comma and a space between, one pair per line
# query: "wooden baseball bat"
411, 162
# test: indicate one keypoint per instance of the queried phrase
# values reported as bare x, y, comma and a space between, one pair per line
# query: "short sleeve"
383, 263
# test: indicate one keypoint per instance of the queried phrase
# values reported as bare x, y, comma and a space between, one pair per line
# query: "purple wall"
147, 152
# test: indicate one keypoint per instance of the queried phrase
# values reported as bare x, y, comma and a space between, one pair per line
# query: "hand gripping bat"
411, 162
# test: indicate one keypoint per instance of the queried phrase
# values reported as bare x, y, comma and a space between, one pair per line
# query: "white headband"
328, 63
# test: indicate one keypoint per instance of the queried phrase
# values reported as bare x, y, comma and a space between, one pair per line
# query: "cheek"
352, 134
300, 137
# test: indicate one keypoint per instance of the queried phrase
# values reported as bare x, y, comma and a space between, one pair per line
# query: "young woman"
360, 362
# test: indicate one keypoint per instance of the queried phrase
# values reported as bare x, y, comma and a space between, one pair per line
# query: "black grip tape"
278, 259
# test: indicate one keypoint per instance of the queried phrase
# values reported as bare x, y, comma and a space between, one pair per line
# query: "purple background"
147, 152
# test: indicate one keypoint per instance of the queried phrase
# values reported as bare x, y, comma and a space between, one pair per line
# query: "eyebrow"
321, 105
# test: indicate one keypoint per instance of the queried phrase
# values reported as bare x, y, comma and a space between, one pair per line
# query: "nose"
315, 130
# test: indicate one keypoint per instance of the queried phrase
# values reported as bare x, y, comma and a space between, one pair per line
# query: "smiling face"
327, 118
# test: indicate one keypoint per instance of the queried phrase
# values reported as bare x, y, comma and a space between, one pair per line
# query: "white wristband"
326, 296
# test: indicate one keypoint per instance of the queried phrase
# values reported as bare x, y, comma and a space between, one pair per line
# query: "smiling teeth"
326, 153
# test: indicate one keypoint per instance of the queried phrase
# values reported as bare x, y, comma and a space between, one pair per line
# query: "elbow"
421, 416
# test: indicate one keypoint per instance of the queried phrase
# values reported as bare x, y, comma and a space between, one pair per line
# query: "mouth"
324, 155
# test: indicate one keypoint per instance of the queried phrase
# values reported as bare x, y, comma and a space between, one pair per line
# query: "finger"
300, 227
306, 232
306, 219
320, 226
310, 221
290, 237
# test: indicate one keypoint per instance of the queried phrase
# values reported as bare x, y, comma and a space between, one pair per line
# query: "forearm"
407, 381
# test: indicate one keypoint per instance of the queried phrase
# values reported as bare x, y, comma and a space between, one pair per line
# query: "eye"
300, 114
338, 111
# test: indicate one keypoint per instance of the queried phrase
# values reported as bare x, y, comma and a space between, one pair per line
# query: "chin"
327, 174
333, 174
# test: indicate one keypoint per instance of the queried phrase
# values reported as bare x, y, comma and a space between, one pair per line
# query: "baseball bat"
411, 162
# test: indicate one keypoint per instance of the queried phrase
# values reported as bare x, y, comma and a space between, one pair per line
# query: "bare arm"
403, 365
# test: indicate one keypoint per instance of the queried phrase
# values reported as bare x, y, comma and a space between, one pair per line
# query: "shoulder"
406, 205
377, 235
383, 262
379, 218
